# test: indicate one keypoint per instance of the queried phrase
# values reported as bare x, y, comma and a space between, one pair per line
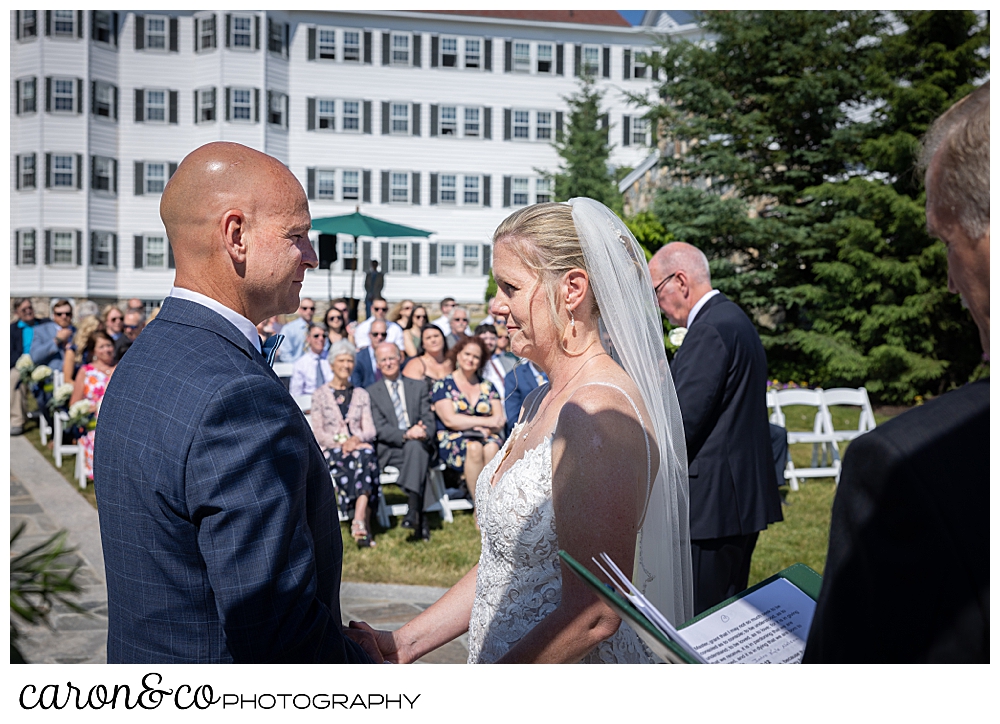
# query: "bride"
596, 463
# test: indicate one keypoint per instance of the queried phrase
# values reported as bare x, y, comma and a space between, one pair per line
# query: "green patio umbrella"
358, 224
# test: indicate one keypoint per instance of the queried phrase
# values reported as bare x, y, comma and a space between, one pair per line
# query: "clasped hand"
380, 645
417, 432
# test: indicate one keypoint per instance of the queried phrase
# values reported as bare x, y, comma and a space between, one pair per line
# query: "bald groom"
219, 524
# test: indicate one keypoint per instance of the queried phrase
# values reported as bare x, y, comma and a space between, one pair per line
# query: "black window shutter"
367, 123
284, 112
506, 191
366, 190
48, 24
368, 47
607, 62
113, 261
310, 114
416, 50
415, 114
488, 54
432, 258
285, 45
114, 175
366, 255
415, 257
229, 23
48, 94
486, 258
194, 26
171, 170
384, 253
173, 35
139, 110
577, 53
487, 123
605, 125
559, 59
434, 190
79, 95
79, 23
195, 106
385, 48
311, 48
385, 187
487, 187
227, 102
93, 24
559, 125
311, 183
114, 28
173, 107
627, 64
140, 32
114, 100
256, 32
415, 189
79, 248
385, 118
256, 105
93, 97
93, 171
17, 235
170, 255
137, 185
93, 248
507, 52
17, 35
17, 170
17, 91
79, 170
506, 124
137, 257
48, 246
434, 51
434, 120
626, 130
48, 170
270, 27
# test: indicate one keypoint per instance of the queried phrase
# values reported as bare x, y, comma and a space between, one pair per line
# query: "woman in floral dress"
470, 416
91, 383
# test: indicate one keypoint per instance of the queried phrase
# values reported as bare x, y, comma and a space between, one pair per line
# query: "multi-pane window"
449, 121
543, 126
472, 122
241, 31
349, 254
522, 124
154, 252
64, 23
447, 188
326, 184
26, 171
639, 67
446, 259
206, 105
399, 187
640, 131
156, 106
156, 32
352, 46
399, 257
63, 246
449, 52
104, 171
103, 31
545, 58
543, 190
471, 190
400, 117
206, 32
26, 248
350, 185
400, 45
102, 254
591, 64
326, 114
104, 99
352, 116
326, 44
29, 29
155, 177
29, 95
276, 37
470, 259
64, 171
63, 95
242, 104
519, 191
522, 57
473, 56
276, 108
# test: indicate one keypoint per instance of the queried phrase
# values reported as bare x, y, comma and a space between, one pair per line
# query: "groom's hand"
366, 639
384, 639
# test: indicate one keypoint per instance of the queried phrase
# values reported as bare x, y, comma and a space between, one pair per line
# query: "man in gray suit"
404, 424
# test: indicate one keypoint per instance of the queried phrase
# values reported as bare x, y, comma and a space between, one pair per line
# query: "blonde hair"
546, 241
397, 311
87, 326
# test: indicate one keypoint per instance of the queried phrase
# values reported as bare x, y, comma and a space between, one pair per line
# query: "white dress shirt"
394, 334
303, 380
698, 305
495, 373
248, 328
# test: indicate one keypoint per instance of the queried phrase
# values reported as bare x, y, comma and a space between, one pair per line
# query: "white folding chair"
283, 369
80, 470
821, 436
849, 396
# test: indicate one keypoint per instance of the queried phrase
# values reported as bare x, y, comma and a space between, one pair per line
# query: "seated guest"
366, 371
76, 354
341, 419
442, 323
91, 383
469, 413
458, 323
350, 321
433, 364
401, 313
310, 370
134, 323
405, 424
495, 369
336, 327
517, 384
411, 332
394, 333
113, 320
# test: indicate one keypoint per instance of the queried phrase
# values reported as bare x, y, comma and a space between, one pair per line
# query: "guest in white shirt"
494, 369
294, 344
442, 322
394, 333
311, 370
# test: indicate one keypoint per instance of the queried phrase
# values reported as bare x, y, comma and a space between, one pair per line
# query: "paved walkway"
46, 502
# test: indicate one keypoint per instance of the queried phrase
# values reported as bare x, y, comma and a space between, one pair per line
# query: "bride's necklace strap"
549, 396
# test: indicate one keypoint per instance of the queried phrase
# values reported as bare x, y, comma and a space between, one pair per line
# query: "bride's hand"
387, 645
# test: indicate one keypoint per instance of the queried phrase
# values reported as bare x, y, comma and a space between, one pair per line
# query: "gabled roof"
580, 17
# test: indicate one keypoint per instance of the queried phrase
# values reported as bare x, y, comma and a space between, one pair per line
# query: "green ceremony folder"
799, 575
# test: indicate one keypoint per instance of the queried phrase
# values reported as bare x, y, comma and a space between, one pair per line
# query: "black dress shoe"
425, 531
408, 524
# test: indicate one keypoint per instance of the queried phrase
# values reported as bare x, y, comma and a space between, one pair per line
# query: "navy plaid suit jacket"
218, 520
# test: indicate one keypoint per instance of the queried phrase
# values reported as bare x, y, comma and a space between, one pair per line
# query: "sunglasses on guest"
376, 334
62, 314
380, 309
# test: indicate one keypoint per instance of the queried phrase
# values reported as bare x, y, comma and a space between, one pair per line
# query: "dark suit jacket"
720, 373
364, 372
16, 344
517, 384
219, 524
908, 569
418, 407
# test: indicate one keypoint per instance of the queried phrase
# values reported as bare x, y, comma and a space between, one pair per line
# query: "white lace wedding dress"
519, 581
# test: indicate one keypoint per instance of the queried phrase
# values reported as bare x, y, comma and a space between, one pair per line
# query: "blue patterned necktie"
270, 348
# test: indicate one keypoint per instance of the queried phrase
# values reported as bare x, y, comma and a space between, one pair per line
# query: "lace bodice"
519, 581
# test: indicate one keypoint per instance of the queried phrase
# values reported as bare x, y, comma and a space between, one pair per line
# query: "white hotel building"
437, 120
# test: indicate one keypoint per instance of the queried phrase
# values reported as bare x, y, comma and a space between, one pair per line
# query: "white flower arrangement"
24, 364
81, 413
341, 437
41, 373
61, 396
676, 336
